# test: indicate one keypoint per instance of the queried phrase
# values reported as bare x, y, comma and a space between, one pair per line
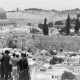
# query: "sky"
41, 4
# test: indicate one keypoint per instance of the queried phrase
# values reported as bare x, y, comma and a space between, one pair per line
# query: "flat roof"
5, 21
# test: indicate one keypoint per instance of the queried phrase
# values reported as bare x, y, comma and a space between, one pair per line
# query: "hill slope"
37, 16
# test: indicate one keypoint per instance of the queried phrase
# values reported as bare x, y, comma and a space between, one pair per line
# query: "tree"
50, 24
68, 76
40, 25
68, 25
54, 60
10, 43
77, 25
58, 23
45, 27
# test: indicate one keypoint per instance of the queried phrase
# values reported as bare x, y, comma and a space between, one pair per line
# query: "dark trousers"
6, 77
2, 76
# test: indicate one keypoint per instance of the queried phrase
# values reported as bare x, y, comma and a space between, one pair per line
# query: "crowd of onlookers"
12, 65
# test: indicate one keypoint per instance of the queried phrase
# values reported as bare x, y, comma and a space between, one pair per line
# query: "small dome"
2, 13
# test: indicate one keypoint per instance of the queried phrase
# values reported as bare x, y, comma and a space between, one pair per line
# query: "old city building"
3, 19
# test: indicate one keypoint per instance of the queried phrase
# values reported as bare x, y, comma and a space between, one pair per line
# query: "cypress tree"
68, 25
45, 27
77, 25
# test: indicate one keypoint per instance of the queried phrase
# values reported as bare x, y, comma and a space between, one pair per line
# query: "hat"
7, 51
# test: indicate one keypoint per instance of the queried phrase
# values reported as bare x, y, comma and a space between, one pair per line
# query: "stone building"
3, 19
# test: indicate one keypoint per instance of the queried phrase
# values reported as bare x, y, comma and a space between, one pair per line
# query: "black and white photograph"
39, 39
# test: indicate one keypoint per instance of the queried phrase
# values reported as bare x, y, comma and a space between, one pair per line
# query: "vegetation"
29, 24
11, 44
73, 21
77, 26
67, 75
40, 25
50, 24
58, 22
56, 60
52, 53
45, 27
34, 30
68, 25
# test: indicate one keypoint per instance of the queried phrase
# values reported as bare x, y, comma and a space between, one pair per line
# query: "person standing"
24, 68
14, 61
2, 75
23, 63
5, 64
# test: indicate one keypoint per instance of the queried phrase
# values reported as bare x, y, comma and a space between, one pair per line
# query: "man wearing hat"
5, 60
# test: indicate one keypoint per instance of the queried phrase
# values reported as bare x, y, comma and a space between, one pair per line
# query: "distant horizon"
9, 5
42, 9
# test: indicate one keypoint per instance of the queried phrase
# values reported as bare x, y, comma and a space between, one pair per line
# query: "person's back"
5, 61
23, 64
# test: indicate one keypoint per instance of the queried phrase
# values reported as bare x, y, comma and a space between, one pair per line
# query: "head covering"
17, 55
14, 54
7, 51
22, 54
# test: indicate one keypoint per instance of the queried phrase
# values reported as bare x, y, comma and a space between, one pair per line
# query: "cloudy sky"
43, 4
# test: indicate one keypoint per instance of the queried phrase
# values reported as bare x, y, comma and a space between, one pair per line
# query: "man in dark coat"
5, 61
23, 63
24, 68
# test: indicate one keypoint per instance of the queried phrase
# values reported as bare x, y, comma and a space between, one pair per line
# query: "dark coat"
24, 68
23, 64
5, 64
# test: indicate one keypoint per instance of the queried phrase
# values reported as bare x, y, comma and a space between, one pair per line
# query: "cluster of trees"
67, 28
59, 22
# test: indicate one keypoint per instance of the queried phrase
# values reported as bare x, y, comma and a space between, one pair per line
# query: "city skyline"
41, 4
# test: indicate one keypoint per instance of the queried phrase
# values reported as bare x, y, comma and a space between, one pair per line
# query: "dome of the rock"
2, 13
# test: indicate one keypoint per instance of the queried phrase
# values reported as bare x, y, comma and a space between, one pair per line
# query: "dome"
2, 13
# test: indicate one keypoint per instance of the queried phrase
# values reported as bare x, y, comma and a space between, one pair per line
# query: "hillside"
36, 16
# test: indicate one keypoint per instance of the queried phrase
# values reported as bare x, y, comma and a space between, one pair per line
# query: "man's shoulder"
6, 56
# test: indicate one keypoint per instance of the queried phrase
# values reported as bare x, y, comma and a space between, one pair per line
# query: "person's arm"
2, 59
18, 63
26, 63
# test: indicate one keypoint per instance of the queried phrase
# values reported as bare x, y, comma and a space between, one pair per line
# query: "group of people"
12, 65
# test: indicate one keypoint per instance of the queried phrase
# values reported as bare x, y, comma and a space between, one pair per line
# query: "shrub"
11, 44
67, 75
40, 25
34, 30
50, 24
58, 23
29, 24
54, 60
52, 53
